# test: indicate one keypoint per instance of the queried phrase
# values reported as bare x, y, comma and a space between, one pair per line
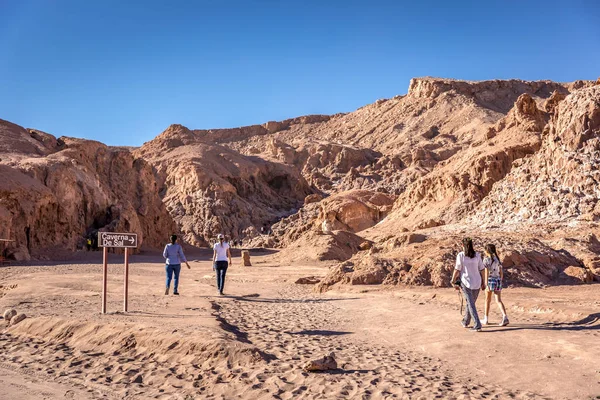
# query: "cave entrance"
28, 237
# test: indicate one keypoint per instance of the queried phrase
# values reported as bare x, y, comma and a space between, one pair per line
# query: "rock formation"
382, 192
55, 192
210, 189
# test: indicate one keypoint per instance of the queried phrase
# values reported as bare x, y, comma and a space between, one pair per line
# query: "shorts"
494, 284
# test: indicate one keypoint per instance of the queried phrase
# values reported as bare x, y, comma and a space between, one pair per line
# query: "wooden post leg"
126, 280
104, 277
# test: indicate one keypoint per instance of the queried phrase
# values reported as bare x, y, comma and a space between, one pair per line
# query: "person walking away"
173, 255
494, 275
469, 267
221, 260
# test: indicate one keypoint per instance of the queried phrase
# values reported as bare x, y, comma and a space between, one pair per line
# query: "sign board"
120, 240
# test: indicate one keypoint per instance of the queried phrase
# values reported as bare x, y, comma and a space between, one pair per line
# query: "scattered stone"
430, 223
322, 364
308, 280
17, 318
415, 238
313, 198
366, 245
9, 314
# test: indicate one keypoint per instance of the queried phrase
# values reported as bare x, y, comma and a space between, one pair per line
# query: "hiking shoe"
504, 322
484, 321
176, 293
166, 291
221, 293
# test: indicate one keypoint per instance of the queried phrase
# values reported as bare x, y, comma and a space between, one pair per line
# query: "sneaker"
476, 329
166, 291
504, 322
221, 293
464, 325
484, 321
176, 293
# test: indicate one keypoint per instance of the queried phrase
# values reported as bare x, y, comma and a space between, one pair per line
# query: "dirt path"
404, 343
296, 325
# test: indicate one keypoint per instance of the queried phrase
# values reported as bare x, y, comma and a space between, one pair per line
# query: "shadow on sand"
254, 298
319, 333
589, 323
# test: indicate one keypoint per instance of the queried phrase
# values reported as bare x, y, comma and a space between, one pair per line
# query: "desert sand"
404, 342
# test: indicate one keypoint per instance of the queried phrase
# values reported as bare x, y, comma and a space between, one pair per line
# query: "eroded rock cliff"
388, 189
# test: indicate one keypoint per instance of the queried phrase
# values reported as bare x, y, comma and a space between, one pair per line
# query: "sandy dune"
401, 343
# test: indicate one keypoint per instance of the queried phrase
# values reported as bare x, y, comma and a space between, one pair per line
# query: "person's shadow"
589, 323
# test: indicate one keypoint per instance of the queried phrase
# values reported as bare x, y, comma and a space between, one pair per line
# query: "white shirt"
469, 268
221, 251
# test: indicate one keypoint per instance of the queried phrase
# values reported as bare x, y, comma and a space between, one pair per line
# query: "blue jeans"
470, 296
221, 270
173, 269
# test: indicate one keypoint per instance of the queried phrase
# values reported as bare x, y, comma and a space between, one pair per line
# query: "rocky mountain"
54, 193
385, 191
209, 188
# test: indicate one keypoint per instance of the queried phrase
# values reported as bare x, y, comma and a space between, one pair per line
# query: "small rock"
138, 379
9, 314
313, 198
322, 364
17, 318
308, 280
365, 245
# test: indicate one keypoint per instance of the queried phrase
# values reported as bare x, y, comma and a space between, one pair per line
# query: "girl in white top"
469, 267
221, 261
493, 276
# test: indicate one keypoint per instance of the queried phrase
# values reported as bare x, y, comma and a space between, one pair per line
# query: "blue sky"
122, 71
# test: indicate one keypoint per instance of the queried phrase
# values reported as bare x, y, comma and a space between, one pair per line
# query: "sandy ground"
251, 344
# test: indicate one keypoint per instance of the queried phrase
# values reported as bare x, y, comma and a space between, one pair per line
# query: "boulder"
308, 280
274, 126
354, 210
579, 274
369, 276
366, 245
325, 363
9, 314
17, 318
18, 253
430, 223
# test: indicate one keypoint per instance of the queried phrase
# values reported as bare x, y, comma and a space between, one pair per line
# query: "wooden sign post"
116, 240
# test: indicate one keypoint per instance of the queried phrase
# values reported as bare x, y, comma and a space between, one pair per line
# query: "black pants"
221, 269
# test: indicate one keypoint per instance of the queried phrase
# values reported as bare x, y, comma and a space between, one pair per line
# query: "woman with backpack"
469, 268
493, 276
